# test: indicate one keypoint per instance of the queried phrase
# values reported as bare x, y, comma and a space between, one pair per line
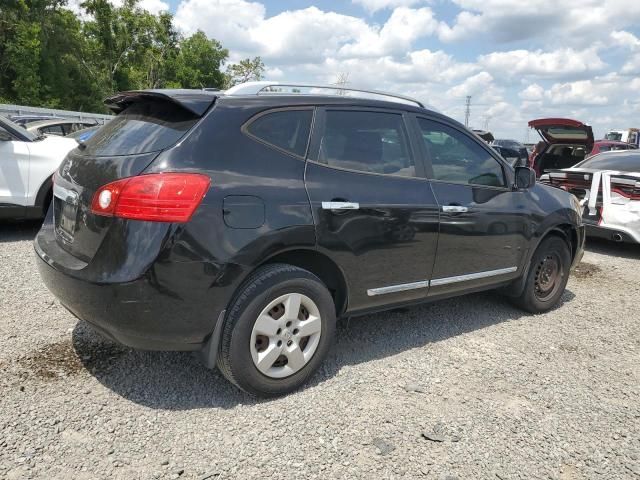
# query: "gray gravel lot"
469, 388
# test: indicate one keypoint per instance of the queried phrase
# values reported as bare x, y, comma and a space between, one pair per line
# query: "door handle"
340, 205
454, 209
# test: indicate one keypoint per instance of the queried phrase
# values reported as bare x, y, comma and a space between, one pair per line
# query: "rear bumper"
170, 306
617, 234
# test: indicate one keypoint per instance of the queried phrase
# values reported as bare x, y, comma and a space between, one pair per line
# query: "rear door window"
284, 129
143, 127
372, 142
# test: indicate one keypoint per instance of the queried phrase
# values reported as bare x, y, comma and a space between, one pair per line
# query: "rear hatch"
563, 130
147, 123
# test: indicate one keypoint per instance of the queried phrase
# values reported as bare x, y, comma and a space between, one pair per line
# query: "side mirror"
5, 136
525, 178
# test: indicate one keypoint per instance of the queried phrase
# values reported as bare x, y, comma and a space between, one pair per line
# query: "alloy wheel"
285, 335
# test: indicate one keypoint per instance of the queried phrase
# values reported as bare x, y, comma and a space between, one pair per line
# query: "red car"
610, 145
565, 143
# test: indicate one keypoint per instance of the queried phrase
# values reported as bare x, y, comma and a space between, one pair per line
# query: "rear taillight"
157, 197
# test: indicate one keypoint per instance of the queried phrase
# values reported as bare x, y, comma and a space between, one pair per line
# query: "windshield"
143, 127
16, 130
624, 161
613, 136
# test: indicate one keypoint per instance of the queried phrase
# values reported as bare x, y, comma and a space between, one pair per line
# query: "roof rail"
277, 88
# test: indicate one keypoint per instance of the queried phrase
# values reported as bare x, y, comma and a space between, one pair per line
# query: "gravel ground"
469, 388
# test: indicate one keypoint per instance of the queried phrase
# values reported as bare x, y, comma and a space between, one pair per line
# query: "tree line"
51, 57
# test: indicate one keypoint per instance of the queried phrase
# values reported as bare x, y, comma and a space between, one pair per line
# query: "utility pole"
467, 111
487, 119
342, 81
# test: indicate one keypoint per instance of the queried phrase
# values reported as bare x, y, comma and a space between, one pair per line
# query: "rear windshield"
566, 132
624, 162
143, 127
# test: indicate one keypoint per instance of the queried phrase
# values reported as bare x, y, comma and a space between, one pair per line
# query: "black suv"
242, 224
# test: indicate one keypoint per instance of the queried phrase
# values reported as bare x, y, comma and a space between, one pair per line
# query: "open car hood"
563, 130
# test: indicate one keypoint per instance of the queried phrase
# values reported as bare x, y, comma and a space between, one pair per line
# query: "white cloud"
225, 20
533, 92
574, 22
625, 39
576, 93
152, 6
545, 64
373, 6
404, 26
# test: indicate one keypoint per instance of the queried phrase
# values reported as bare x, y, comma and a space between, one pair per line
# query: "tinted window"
143, 127
286, 129
628, 161
456, 157
52, 130
366, 141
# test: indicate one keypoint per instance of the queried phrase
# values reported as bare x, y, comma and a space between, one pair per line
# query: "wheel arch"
320, 265
44, 195
565, 231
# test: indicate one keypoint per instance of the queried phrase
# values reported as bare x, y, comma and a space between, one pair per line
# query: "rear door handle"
340, 205
454, 209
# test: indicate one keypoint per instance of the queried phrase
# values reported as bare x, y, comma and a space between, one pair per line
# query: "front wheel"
278, 331
547, 277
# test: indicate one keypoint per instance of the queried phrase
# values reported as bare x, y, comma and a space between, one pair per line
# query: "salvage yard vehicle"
567, 142
608, 187
601, 146
241, 224
630, 135
60, 127
27, 162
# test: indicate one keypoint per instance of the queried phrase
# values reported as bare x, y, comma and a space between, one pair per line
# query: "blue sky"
518, 59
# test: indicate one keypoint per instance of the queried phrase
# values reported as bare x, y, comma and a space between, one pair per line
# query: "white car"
608, 188
27, 162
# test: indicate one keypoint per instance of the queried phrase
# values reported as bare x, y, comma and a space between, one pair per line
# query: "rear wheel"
547, 277
278, 331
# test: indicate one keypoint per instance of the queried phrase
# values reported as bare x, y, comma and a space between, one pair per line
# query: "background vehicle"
246, 222
630, 135
601, 146
608, 187
513, 152
60, 127
27, 162
84, 134
23, 120
567, 143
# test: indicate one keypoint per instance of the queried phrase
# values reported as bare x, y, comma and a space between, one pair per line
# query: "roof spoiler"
194, 101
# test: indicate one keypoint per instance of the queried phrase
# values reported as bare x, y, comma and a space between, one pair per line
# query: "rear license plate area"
65, 212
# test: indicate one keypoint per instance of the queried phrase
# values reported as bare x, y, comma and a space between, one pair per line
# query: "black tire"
542, 292
262, 287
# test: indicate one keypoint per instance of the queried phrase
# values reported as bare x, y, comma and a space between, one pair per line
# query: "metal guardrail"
8, 109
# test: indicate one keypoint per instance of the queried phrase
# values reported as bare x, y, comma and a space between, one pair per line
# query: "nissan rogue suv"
241, 224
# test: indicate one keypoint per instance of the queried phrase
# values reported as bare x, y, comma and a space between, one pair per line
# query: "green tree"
51, 57
197, 64
246, 70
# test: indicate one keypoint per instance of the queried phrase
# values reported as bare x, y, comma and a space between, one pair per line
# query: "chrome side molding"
472, 276
372, 292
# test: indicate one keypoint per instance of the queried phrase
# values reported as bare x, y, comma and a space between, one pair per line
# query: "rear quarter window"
284, 129
143, 127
